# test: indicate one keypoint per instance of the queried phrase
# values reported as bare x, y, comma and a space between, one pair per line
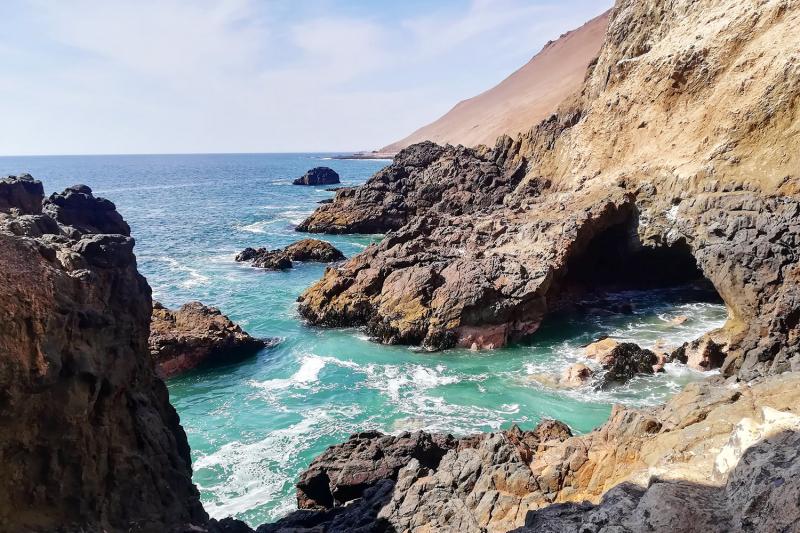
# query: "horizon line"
339, 152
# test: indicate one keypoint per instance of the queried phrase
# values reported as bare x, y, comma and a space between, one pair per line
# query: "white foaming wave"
256, 227
306, 375
296, 216
258, 472
195, 276
280, 207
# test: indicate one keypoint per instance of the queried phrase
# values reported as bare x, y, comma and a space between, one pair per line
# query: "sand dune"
524, 98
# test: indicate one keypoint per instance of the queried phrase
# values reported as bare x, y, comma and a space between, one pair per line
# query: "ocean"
254, 425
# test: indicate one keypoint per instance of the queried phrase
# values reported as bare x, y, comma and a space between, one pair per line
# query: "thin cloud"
92, 76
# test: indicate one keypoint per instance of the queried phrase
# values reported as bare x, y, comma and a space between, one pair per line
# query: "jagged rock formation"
89, 440
716, 457
526, 97
424, 177
677, 161
281, 259
195, 334
318, 176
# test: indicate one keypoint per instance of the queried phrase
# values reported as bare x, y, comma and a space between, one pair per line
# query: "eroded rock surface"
485, 242
90, 441
721, 455
281, 259
195, 334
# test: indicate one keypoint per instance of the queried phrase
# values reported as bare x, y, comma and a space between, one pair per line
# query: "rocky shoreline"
675, 163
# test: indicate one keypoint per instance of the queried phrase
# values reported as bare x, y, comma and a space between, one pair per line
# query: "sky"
235, 76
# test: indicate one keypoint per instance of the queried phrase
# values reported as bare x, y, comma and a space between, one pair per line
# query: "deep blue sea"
254, 425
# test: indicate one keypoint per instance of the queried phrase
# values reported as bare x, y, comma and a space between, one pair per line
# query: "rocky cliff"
677, 161
89, 440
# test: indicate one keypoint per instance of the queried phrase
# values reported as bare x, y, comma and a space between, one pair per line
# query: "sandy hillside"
524, 98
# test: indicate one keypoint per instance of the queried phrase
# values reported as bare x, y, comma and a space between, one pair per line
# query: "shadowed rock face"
195, 334
89, 439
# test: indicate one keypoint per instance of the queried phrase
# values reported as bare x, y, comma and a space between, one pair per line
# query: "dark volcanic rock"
318, 176
626, 361
89, 440
303, 250
23, 193
194, 334
78, 208
422, 177
344, 471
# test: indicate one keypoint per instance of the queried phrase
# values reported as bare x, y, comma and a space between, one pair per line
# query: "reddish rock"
195, 334
576, 375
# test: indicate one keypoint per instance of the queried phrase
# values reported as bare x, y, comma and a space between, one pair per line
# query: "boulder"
601, 351
701, 354
195, 334
576, 375
304, 250
626, 361
318, 176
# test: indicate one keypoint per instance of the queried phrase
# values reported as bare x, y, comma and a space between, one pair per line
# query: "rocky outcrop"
424, 177
318, 176
626, 361
90, 441
638, 180
723, 456
304, 250
194, 335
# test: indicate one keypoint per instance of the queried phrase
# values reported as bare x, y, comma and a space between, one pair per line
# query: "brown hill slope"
524, 98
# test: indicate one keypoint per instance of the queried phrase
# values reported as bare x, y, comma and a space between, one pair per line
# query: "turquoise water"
254, 425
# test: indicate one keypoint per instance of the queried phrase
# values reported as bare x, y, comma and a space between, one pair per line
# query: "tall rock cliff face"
681, 149
89, 441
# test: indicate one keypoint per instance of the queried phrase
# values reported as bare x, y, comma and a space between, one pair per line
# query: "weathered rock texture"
677, 161
303, 250
89, 441
195, 334
717, 457
318, 176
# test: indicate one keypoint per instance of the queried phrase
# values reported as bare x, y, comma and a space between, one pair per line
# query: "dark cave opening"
616, 260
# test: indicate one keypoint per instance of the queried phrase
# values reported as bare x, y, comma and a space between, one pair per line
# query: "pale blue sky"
185, 76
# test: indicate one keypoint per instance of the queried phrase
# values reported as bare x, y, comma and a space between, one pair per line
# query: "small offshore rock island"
676, 161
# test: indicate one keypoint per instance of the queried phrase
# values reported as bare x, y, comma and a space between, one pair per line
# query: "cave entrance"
616, 260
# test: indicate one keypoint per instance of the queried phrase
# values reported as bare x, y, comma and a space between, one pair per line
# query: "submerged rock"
318, 176
195, 334
304, 250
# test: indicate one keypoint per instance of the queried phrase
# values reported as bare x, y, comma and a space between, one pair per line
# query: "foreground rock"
89, 440
716, 458
318, 176
195, 334
304, 250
